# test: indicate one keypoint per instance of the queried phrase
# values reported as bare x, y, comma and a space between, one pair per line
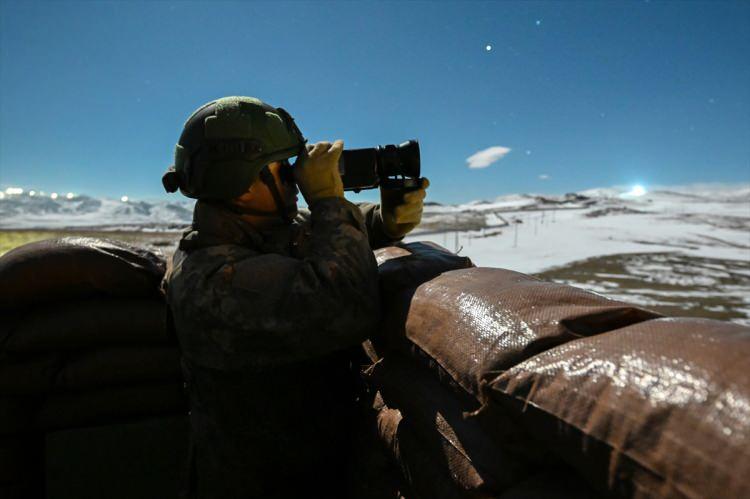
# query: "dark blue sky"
93, 95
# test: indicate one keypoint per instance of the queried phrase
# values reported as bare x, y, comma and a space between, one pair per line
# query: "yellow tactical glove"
319, 176
402, 211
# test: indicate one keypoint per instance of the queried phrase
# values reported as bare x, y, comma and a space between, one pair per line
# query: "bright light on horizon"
637, 191
53, 195
32, 193
13, 190
124, 199
70, 195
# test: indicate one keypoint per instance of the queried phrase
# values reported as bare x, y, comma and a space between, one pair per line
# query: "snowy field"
534, 233
681, 251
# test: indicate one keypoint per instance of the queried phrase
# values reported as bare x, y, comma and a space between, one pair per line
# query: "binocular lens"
368, 168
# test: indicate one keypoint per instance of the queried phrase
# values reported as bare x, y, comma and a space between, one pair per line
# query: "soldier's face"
258, 197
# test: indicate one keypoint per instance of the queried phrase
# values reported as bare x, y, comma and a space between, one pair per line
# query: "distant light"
53, 195
637, 190
124, 199
70, 195
543, 176
538, 22
2, 195
32, 193
488, 48
13, 190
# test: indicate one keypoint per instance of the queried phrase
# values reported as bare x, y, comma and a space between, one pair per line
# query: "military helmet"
226, 143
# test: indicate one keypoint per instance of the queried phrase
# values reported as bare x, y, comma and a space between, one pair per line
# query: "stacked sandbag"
435, 419
401, 270
473, 323
445, 333
656, 409
58, 269
427, 475
84, 341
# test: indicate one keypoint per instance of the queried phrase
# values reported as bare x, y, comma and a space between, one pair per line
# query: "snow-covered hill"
525, 232
22, 211
533, 233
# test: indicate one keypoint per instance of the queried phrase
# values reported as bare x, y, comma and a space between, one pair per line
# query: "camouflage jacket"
264, 321
245, 299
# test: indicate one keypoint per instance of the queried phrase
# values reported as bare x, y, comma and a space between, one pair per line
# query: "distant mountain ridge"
24, 211
21, 211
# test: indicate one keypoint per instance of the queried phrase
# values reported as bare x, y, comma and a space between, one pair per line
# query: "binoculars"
391, 166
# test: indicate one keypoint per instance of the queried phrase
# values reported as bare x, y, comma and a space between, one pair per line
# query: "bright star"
488, 48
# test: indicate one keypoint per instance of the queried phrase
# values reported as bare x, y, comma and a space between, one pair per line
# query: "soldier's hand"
400, 217
319, 176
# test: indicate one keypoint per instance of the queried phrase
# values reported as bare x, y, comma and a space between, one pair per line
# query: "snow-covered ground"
523, 232
533, 233
22, 211
681, 251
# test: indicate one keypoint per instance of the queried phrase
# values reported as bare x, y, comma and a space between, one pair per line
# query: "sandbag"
437, 416
22, 467
425, 477
401, 269
475, 323
74, 267
17, 415
406, 266
119, 366
656, 409
560, 483
111, 405
27, 374
88, 323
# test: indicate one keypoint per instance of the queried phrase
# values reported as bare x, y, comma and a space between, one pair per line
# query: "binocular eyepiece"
392, 166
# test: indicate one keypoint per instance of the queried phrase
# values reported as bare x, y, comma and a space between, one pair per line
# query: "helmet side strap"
267, 178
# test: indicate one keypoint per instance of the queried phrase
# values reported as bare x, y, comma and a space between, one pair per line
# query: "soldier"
266, 301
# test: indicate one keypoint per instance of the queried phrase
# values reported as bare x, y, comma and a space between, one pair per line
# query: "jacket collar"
214, 224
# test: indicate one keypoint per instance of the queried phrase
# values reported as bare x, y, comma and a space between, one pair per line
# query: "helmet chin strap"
267, 178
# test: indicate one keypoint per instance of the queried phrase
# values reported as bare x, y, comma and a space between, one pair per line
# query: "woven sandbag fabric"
559, 483
62, 389
401, 269
425, 476
382, 255
475, 323
22, 467
657, 409
408, 265
60, 269
457, 444
110, 405
88, 323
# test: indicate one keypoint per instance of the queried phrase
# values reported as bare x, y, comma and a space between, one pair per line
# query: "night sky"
543, 97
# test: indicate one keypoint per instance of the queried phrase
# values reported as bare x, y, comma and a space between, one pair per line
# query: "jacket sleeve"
265, 310
376, 235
